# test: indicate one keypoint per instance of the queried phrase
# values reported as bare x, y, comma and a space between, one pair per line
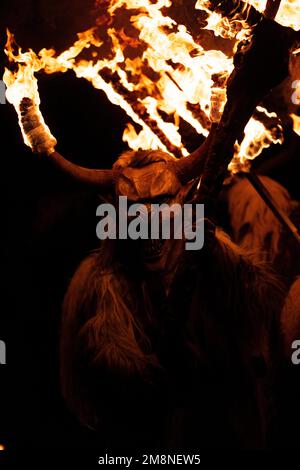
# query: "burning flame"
235, 27
296, 123
257, 138
23, 84
288, 13
167, 79
227, 28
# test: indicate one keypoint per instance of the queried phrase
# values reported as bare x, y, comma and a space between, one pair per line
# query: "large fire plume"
156, 71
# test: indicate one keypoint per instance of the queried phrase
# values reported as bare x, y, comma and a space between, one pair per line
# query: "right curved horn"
101, 178
192, 166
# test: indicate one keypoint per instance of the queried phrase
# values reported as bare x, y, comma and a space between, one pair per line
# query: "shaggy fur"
102, 330
288, 438
225, 323
254, 225
290, 318
223, 314
256, 228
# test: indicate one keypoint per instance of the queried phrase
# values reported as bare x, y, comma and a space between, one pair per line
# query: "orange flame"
288, 13
296, 123
23, 83
167, 79
224, 27
257, 138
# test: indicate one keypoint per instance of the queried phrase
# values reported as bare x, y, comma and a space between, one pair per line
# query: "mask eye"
244, 230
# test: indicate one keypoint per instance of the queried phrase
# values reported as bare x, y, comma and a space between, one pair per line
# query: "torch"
33, 126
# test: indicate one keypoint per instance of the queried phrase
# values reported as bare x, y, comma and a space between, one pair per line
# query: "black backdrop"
48, 223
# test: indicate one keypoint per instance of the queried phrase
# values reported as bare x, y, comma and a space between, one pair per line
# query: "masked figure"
160, 345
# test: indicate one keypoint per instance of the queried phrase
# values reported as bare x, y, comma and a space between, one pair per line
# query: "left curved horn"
101, 178
192, 166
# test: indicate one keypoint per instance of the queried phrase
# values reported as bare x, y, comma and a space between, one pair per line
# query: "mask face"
148, 181
154, 182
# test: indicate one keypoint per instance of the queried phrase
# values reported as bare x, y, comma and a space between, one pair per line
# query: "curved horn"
102, 178
42, 142
192, 166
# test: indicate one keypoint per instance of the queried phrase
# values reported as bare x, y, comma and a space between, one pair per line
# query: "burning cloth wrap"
38, 135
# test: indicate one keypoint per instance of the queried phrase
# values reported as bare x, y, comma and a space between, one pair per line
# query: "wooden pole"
267, 198
272, 9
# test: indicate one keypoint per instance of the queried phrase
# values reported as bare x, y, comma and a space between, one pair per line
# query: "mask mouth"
153, 249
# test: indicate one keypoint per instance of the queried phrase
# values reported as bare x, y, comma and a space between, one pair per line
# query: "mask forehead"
148, 182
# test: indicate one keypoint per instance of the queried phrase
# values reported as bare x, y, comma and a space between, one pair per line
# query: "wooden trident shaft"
272, 9
267, 198
261, 66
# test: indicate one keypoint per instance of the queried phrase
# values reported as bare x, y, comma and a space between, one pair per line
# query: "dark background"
48, 223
